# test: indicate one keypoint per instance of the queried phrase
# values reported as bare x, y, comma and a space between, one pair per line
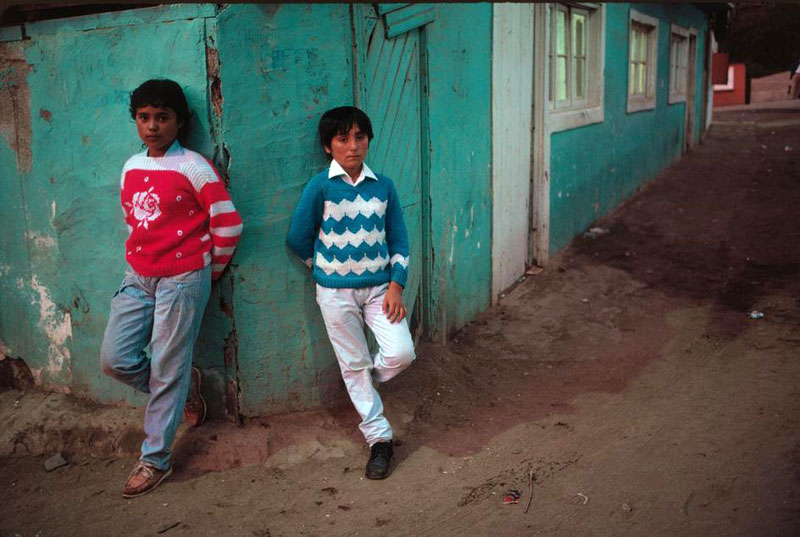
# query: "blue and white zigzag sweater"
352, 236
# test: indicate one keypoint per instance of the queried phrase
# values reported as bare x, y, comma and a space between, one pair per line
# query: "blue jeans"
166, 314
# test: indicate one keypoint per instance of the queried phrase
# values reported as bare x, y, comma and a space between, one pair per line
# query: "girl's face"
158, 128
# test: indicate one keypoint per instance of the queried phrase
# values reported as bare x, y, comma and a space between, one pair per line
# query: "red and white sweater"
178, 213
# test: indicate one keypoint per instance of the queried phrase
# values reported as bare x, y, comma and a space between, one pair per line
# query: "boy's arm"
396, 238
306, 219
225, 225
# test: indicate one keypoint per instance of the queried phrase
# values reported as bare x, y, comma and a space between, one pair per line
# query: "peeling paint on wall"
15, 114
57, 327
41, 242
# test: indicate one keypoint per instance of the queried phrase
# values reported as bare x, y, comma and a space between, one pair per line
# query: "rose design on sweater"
145, 207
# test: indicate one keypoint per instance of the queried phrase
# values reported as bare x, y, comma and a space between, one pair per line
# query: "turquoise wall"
63, 250
263, 347
258, 77
279, 73
460, 164
594, 168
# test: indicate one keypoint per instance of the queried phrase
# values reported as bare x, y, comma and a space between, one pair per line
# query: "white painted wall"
512, 94
710, 90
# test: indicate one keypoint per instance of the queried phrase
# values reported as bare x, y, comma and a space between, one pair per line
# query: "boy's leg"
180, 303
395, 345
128, 331
341, 311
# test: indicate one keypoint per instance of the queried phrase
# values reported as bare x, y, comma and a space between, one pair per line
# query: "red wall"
737, 94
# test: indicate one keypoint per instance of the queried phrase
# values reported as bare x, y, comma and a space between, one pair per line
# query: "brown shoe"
195, 409
143, 479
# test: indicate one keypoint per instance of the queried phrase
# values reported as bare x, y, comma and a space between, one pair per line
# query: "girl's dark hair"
340, 120
161, 93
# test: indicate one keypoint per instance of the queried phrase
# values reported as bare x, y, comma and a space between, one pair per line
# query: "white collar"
336, 170
174, 150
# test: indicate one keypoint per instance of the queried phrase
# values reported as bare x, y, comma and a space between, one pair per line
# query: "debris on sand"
56, 461
595, 232
756, 314
511, 496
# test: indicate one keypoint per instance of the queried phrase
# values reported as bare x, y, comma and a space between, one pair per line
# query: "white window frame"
678, 64
728, 85
572, 112
638, 102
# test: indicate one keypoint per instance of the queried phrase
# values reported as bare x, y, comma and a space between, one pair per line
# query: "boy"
182, 229
348, 227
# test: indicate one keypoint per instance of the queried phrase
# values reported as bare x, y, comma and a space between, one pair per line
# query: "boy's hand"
393, 306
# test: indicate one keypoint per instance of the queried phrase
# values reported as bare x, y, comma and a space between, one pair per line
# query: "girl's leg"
395, 345
130, 324
180, 303
341, 311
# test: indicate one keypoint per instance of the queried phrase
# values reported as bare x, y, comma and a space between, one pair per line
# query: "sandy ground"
627, 380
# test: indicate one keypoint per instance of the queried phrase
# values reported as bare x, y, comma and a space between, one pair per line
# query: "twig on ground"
530, 494
165, 529
585, 498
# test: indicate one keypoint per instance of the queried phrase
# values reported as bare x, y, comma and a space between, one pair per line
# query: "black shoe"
379, 457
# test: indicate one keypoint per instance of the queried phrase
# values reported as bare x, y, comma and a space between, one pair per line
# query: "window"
678, 64
576, 65
642, 62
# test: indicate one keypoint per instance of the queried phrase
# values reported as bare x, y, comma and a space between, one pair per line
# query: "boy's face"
158, 128
349, 150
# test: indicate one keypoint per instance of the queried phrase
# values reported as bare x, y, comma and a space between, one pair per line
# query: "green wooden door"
387, 73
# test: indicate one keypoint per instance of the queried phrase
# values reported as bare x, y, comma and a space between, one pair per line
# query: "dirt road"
628, 378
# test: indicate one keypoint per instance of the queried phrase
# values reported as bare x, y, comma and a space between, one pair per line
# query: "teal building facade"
257, 77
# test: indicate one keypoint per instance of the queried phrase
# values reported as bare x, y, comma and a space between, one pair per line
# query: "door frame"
691, 92
539, 232
422, 314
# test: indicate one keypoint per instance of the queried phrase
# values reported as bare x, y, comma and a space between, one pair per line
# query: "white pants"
345, 311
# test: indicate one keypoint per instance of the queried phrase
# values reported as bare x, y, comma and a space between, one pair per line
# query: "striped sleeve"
225, 224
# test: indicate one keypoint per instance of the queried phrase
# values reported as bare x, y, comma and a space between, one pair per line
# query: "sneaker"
144, 478
195, 409
379, 457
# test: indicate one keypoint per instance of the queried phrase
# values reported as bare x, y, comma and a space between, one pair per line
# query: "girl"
183, 229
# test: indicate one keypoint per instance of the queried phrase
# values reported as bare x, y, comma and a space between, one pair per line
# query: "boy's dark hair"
340, 120
161, 93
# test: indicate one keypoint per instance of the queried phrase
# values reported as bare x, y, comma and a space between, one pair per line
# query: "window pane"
643, 47
642, 80
631, 78
579, 34
580, 71
561, 79
561, 32
673, 51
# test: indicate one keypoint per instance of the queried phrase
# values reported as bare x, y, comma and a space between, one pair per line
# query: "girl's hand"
393, 306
